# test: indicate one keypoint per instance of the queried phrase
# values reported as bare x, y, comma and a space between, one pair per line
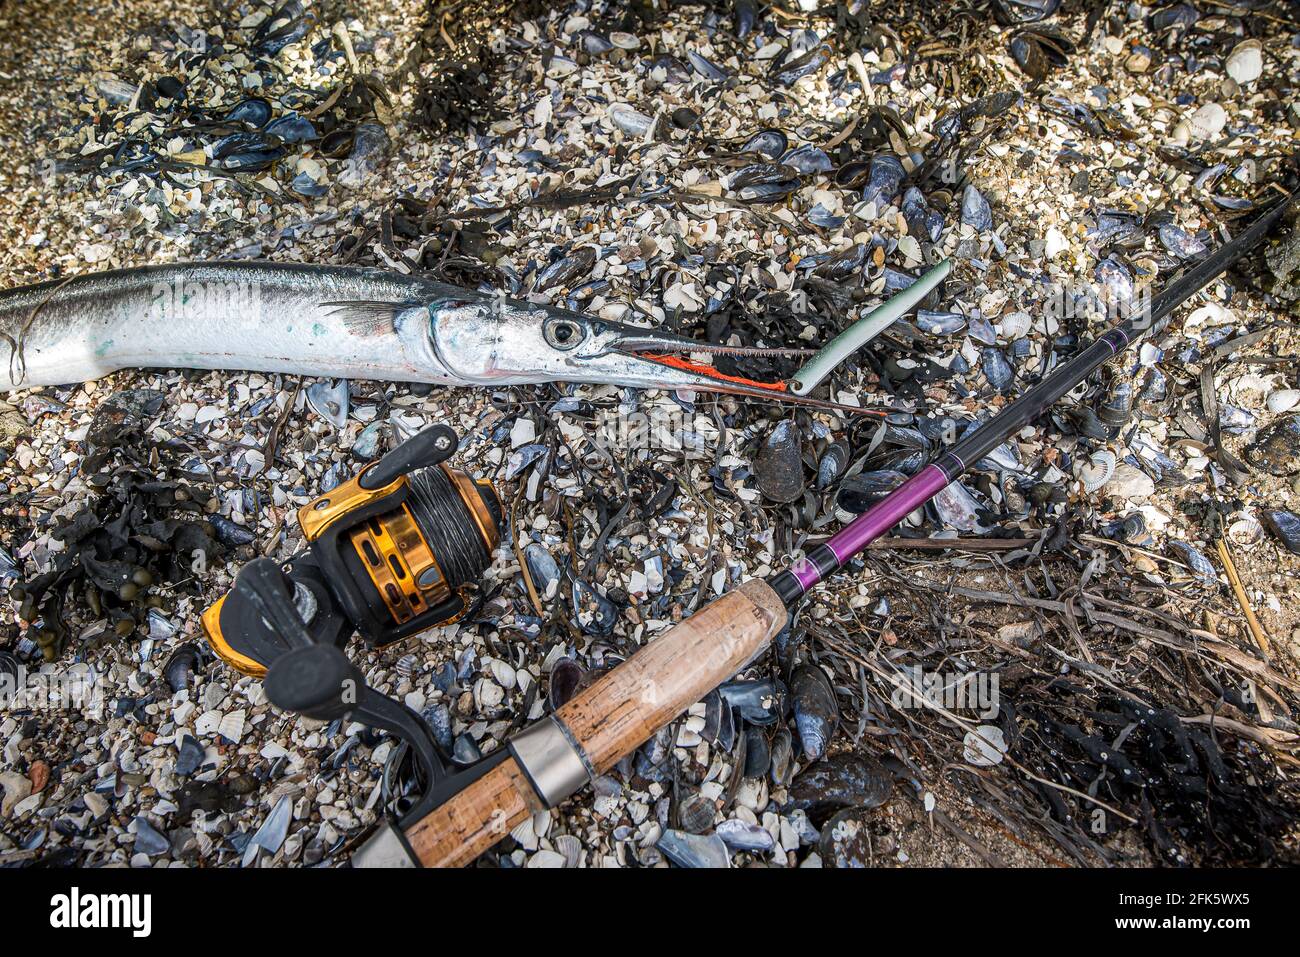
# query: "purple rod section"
877, 520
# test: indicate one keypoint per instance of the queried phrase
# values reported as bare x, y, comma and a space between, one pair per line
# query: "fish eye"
563, 333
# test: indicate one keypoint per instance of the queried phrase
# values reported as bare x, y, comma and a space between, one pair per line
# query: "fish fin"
367, 317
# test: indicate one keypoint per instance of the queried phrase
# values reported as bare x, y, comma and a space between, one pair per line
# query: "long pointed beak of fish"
679, 363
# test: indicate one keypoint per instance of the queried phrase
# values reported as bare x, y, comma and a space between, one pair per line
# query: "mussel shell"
853, 174
816, 710
1116, 404
1029, 56
171, 88
997, 370
673, 69
719, 722
939, 323
848, 779
594, 613
706, 67
565, 680
767, 192
1012, 12
758, 753
761, 173
189, 756
594, 43
847, 841
795, 70
778, 466
884, 179
693, 850
1276, 448
1195, 560
563, 271
832, 465
684, 118
292, 128
1285, 526
975, 211
782, 757
337, 143
807, 159
181, 666
843, 265
255, 111
743, 836
768, 142
759, 702
330, 400
857, 493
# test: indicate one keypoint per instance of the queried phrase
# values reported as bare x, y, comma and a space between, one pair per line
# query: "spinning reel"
392, 552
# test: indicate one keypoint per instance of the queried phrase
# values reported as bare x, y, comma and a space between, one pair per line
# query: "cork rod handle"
611, 718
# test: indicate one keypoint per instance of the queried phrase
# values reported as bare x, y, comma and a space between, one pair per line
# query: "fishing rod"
826, 558
460, 815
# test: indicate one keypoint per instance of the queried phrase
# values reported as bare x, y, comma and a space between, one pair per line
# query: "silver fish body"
266, 317
342, 321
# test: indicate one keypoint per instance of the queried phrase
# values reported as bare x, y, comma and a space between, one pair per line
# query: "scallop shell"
1014, 325
1245, 531
524, 833
231, 727
570, 848
407, 665
207, 722
1095, 474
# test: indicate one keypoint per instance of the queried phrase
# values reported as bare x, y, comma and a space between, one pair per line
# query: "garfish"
344, 321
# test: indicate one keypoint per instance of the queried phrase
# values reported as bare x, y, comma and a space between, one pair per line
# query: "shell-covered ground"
743, 173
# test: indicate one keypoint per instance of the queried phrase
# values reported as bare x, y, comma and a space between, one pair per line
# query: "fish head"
504, 341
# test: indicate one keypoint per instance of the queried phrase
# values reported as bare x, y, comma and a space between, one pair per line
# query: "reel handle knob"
317, 681
320, 682
421, 450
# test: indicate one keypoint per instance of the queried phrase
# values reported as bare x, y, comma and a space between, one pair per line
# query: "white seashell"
1056, 243
525, 835
231, 727
630, 121
1209, 121
1245, 531
985, 746
545, 859
624, 41
1098, 470
1283, 400
503, 672
1014, 325
570, 848
1246, 62
207, 723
